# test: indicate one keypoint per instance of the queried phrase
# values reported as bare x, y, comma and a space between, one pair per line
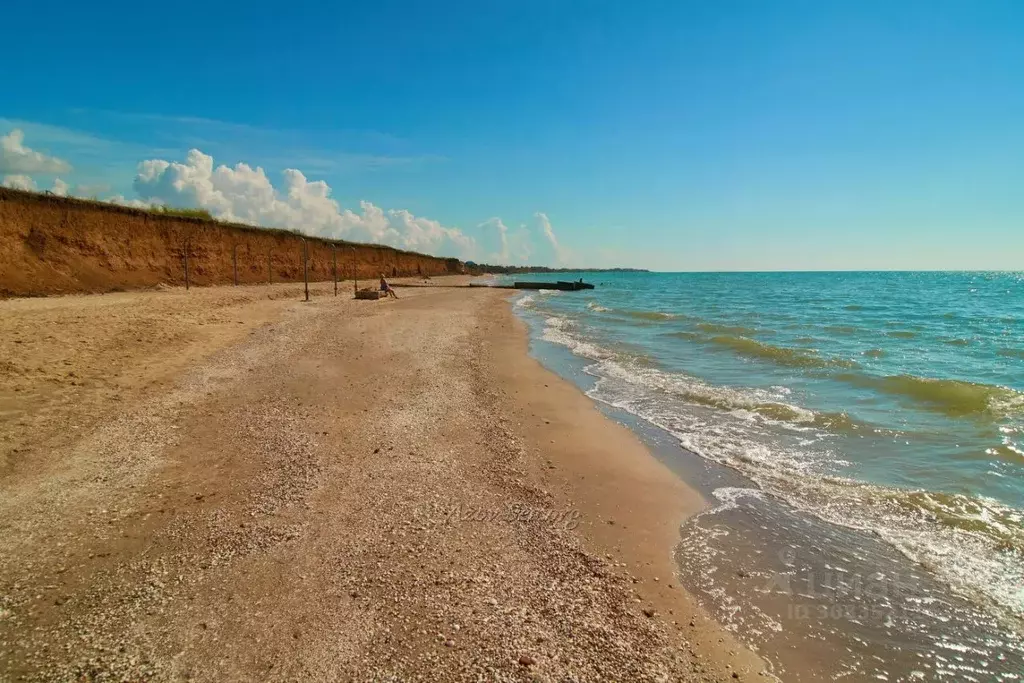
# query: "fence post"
186, 265
305, 266
234, 262
334, 253
355, 273
270, 269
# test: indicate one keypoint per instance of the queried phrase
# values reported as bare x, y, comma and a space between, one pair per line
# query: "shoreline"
820, 598
275, 498
642, 537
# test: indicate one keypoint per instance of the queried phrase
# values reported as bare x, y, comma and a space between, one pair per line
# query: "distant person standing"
386, 288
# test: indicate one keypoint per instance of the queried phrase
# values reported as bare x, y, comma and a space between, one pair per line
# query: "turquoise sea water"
891, 403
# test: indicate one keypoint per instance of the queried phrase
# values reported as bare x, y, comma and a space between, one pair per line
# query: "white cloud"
520, 246
120, 200
16, 158
502, 255
514, 246
245, 194
24, 182
549, 234
19, 182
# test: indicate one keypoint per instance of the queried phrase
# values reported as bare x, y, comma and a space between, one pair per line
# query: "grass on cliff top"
182, 213
8, 193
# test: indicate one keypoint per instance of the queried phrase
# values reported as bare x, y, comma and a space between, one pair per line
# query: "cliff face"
56, 245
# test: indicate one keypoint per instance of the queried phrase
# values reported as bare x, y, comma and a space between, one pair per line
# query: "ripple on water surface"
907, 461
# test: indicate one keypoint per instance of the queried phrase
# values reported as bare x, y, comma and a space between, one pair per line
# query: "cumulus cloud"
19, 182
503, 232
545, 226
24, 182
496, 226
549, 235
246, 195
506, 246
17, 159
121, 200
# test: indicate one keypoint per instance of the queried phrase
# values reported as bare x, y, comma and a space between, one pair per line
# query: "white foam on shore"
556, 331
524, 301
722, 424
730, 495
530, 297
729, 498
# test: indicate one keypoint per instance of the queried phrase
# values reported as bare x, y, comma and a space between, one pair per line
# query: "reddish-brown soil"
57, 245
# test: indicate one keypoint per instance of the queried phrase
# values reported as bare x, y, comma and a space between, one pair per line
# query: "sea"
859, 437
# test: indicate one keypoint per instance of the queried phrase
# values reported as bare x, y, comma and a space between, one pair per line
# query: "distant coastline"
509, 270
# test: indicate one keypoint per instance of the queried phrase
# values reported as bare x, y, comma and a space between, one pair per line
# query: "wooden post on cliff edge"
334, 254
355, 273
234, 263
270, 269
186, 265
305, 266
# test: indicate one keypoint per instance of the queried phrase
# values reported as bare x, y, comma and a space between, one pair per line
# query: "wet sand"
233, 484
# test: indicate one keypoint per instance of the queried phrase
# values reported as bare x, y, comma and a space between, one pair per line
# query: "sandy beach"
233, 484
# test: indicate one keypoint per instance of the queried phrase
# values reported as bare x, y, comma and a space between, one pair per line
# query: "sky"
681, 136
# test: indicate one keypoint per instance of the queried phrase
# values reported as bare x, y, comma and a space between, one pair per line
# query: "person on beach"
386, 288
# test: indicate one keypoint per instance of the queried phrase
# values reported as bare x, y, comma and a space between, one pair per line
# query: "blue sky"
672, 135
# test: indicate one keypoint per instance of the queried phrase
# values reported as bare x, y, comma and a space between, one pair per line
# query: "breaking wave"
951, 397
781, 355
974, 544
633, 314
